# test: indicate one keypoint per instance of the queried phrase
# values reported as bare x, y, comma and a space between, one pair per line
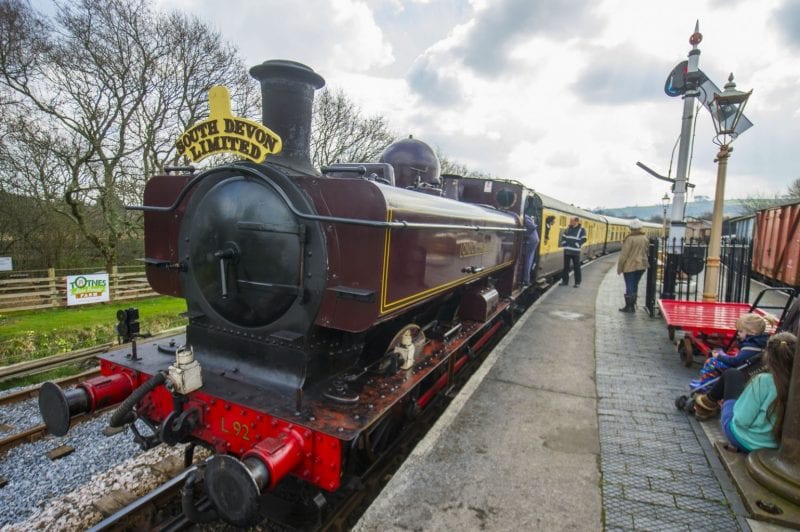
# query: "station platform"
570, 424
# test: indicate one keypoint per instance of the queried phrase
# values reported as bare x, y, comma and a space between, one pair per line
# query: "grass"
30, 335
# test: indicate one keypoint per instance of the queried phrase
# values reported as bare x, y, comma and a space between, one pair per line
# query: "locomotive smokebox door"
245, 251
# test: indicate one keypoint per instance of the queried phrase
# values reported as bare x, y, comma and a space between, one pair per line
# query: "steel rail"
30, 393
166, 489
24, 369
37, 432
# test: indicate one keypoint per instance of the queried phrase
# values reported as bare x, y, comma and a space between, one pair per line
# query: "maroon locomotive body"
326, 309
397, 248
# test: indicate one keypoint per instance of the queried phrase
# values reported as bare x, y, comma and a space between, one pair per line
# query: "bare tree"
752, 204
794, 189
99, 94
198, 59
339, 132
35, 236
450, 166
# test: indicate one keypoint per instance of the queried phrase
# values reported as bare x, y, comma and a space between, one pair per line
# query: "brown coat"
633, 256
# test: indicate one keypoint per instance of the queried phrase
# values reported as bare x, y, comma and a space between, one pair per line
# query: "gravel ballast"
36, 484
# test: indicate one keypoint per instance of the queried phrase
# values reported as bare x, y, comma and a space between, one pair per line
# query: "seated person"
752, 414
750, 328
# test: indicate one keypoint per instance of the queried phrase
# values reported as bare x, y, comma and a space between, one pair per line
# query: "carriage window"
548, 223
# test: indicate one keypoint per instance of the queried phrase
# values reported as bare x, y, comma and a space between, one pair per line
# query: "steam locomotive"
326, 310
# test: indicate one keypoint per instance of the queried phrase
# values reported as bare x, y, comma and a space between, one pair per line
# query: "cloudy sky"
565, 96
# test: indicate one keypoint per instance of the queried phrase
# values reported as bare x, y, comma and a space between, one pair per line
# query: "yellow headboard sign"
224, 133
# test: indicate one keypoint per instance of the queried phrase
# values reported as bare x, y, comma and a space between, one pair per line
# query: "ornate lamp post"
726, 111
665, 203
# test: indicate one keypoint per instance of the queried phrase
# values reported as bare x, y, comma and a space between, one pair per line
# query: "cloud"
501, 25
724, 4
433, 84
620, 76
326, 35
565, 96
787, 18
563, 159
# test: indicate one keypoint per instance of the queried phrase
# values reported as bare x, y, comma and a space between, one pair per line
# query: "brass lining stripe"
413, 298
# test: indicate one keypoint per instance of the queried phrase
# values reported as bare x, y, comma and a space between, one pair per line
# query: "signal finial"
696, 37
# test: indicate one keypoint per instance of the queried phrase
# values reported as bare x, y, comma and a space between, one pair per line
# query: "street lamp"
726, 111
665, 204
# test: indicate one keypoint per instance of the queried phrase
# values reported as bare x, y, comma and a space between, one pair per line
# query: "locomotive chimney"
287, 99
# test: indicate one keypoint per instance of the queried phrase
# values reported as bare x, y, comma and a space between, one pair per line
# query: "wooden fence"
37, 289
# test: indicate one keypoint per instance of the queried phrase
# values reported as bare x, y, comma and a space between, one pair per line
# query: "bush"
66, 330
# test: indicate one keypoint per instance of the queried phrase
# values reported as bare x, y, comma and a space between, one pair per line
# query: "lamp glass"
726, 111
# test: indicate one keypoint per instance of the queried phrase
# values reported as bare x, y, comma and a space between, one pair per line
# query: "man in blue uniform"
572, 240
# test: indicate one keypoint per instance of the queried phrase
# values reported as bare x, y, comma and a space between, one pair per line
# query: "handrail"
400, 224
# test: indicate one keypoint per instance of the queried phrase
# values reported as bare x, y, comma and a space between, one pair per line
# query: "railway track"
138, 514
41, 365
30, 393
38, 431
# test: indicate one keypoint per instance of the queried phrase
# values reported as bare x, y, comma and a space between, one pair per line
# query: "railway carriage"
618, 229
742, 228
553, 221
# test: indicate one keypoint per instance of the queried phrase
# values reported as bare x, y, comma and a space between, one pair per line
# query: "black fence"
677, 270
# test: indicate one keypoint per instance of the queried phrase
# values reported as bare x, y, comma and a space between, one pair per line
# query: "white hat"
635, 224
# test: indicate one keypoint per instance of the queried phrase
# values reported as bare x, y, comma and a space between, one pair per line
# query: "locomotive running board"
377, 394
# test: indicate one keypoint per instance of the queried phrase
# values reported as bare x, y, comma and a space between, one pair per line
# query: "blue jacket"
750, 346
572, 239
531, 234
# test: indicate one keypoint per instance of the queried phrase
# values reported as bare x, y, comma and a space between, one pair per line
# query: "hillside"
700, 208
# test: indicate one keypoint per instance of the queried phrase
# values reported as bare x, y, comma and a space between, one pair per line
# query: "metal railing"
677, 270
736, 260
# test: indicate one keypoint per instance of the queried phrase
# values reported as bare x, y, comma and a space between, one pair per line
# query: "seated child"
750, 328
753, 414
